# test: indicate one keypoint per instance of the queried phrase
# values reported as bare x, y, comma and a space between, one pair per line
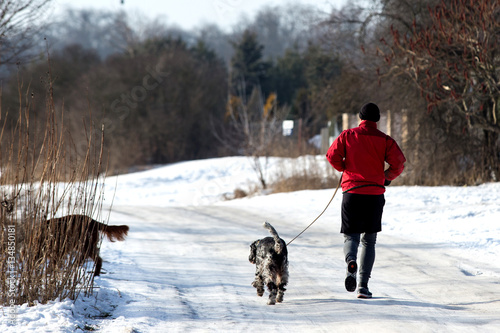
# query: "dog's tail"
277, 241
113, 232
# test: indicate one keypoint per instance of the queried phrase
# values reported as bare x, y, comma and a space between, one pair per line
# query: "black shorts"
362, 213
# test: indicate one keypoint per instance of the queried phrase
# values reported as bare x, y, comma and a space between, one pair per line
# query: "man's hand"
387, 182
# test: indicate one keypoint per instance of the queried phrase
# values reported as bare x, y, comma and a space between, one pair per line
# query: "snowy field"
184, 266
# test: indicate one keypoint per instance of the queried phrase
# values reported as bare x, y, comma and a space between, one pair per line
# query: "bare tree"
454, 62
18, 27
252, 129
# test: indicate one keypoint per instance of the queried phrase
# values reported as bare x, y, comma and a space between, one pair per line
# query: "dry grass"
303, 182
36, 266
309, 172
304, 173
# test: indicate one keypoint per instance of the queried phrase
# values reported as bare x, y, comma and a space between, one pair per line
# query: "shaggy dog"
79, 235
270, 257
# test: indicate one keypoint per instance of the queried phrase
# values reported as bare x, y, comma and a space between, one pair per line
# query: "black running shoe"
350, 279
364, 293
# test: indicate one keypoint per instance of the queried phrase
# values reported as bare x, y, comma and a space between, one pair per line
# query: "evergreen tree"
248, 69
288, 78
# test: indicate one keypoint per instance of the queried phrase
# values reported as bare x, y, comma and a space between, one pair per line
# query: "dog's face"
253, 252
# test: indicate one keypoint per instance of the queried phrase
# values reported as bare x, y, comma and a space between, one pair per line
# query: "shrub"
41, 177
304, 173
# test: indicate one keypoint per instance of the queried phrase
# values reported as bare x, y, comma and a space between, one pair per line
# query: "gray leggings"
367, 258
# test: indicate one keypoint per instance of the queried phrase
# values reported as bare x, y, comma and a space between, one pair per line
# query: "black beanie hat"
370, 111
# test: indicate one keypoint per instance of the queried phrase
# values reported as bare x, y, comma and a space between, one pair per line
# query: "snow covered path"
184, 266
185, 269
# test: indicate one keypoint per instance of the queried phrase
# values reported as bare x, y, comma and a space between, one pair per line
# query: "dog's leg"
273, 290
98, 266
281, 292
258, 283
283, 281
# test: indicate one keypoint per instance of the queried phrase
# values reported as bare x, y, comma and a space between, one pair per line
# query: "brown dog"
80, 234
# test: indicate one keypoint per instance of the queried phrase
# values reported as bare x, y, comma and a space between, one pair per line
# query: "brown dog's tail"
277, 240
113, 232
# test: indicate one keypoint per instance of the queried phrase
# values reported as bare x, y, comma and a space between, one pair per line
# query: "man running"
360, 154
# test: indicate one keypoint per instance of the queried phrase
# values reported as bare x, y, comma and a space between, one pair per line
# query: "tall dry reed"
44, 174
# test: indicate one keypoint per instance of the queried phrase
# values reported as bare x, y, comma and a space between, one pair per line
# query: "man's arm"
336, 154
395, 158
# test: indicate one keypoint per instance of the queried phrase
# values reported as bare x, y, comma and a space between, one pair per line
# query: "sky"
189, 14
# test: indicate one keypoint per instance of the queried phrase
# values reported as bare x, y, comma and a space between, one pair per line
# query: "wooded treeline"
166, 95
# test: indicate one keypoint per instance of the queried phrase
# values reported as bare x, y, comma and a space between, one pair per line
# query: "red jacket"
360, 153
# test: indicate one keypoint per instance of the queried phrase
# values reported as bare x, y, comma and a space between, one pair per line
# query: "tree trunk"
491, 156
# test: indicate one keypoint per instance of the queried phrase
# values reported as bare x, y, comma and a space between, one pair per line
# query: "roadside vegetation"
43, 176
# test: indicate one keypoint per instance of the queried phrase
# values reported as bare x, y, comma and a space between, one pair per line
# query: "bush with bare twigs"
304, 173
43, 177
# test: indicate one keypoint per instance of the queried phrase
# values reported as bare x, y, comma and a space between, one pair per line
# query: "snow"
184, 267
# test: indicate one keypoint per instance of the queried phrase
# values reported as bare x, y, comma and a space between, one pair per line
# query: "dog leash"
324, 210
365, 185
